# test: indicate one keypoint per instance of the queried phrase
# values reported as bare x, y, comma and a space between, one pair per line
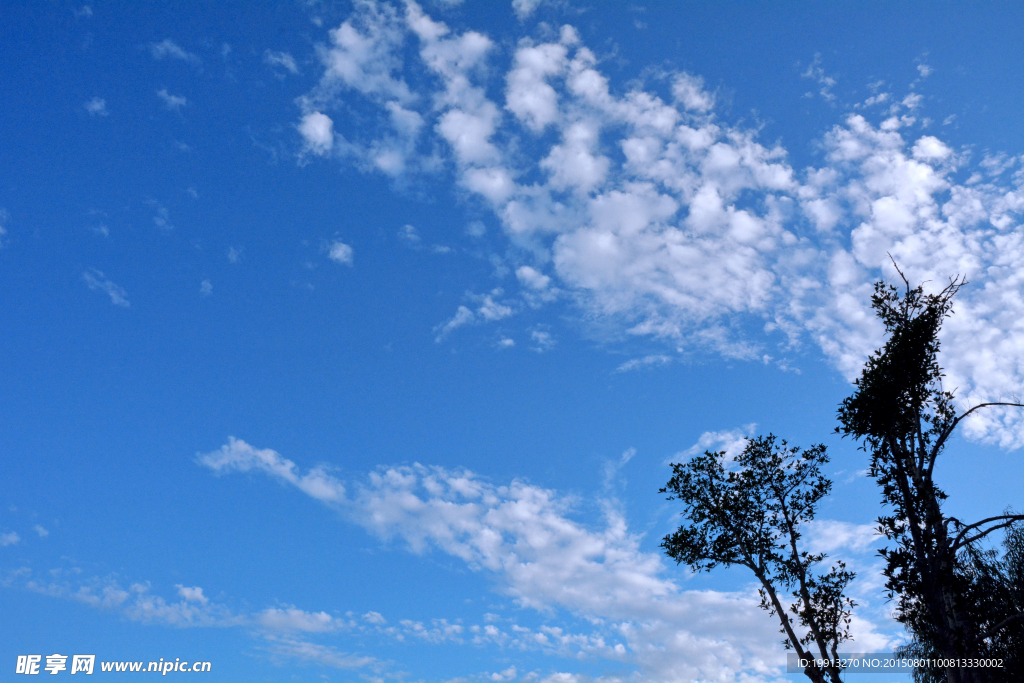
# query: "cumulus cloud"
9, 538
41, 530
528, 539
660, 217
97, 281
167, 48
532, 278
317, 130
97, 106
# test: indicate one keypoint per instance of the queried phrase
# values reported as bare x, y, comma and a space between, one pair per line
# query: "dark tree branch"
1001, 625
959, 541
949, 430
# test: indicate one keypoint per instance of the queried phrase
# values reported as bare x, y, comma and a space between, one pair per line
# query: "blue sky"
353, 341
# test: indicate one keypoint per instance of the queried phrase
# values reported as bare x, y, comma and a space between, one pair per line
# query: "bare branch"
958, 542
949, 430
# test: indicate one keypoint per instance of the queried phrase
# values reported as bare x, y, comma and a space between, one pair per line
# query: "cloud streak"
97, 281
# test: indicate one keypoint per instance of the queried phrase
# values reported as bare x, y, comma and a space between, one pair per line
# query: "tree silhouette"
749, 513
904, 418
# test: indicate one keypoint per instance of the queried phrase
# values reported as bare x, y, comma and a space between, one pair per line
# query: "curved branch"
949, 430
959, 541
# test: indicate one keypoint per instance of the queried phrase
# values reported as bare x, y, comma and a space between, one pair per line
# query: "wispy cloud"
816, 72
172, 102
486, 308
649, 361
167, 48
281, 60
97, 281
162, 217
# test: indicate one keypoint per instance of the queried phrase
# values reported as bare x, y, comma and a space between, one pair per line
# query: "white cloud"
193, 594
689, 90
205, 288
648, 361
339, 252
537, 284
162, 218
508, 674
4, 217
97, 281
42, 531
234, 255
97, 106
318, 132
375, 618
924, 70
238, 456
135, 603
543, 340
172, 102
817, 73
296, 648
730, 441
658, 217
524, 8
281, 59
10, 538
463, 316
168, 48
829, 536
930, 148
294, 619
488, 309
409, 235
